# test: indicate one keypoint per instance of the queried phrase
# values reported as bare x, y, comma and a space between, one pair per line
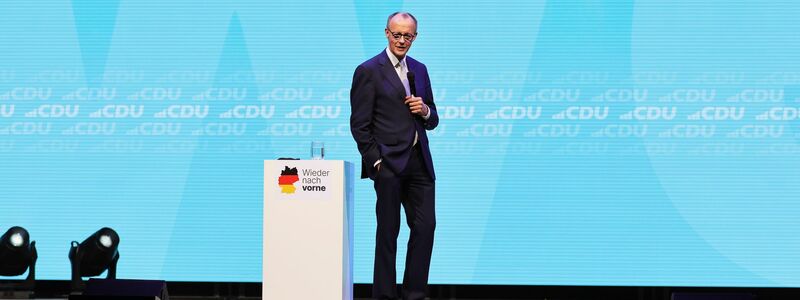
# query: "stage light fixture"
94, 256
17, 255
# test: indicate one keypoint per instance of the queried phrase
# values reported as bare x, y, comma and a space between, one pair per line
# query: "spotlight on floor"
94, 256
17, 255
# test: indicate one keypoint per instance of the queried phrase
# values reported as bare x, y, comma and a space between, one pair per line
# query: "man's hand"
416, 106
379, 167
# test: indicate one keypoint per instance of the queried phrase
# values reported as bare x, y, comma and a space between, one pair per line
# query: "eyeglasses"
409, 37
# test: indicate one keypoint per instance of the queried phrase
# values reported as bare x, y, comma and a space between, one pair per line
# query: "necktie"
402, 72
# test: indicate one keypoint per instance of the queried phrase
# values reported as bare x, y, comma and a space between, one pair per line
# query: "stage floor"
218, 298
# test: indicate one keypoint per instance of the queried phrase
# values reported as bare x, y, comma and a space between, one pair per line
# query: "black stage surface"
49, 289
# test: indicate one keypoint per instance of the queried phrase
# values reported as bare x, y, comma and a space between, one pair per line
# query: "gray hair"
402, 14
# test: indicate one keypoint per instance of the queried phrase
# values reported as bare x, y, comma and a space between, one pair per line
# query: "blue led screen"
647, 142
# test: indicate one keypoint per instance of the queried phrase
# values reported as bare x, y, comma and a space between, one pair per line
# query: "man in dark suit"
389, 125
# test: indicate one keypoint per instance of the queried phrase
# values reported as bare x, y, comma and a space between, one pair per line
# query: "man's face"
403, 26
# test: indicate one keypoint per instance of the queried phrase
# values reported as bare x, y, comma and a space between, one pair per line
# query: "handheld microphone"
413, 88
411, 85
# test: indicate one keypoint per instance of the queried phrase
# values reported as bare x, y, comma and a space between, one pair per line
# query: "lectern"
308, 229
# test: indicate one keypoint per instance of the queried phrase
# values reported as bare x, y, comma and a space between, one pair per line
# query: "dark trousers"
414, 189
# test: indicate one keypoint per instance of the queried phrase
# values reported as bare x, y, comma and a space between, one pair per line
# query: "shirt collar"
394, 59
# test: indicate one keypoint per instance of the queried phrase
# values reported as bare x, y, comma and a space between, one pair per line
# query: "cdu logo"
287, 179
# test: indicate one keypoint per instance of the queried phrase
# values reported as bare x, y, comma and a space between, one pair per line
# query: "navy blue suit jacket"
381, 122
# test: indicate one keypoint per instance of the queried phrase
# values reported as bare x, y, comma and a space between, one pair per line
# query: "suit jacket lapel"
390, 75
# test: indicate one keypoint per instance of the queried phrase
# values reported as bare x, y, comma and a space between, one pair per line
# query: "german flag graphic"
287, 179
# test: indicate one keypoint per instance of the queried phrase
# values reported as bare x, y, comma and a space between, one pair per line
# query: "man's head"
401, 30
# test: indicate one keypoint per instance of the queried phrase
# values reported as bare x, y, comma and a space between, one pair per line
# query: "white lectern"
308, 230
